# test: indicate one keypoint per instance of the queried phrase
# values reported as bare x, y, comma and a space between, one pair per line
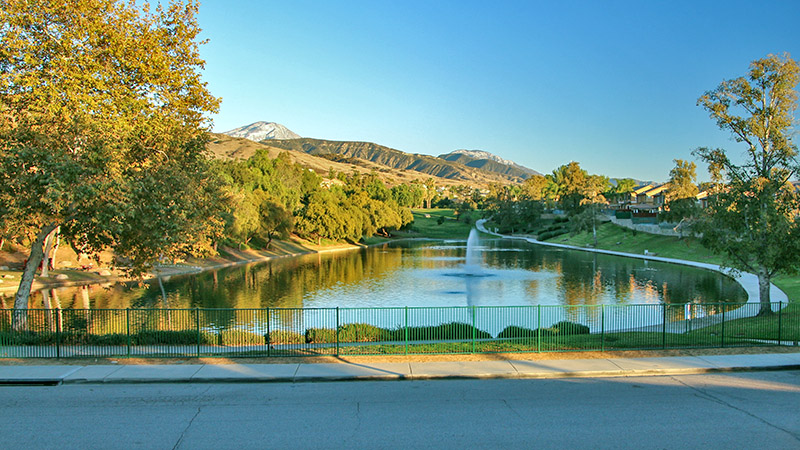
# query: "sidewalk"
292, 373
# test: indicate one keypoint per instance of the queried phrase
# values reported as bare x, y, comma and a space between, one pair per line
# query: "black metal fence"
106, 333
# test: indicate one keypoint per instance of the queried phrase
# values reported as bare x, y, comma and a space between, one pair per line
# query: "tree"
570, 180
681, 193
591, 191
682, 179
752, 216
430, 191
103, 129
276, 221
534, 188
621, 192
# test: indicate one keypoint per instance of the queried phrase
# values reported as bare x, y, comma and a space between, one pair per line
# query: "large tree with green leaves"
752, 218
681, 193
103, 124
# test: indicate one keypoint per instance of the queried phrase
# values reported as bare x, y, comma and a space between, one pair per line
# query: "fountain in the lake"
472, 268
473, 264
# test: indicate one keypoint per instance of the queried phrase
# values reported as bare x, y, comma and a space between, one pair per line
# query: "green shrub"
27, 338
241, 337
279, 337
107, 339
170, 337
551, 234
515, 332
564, 328
363, 332
320, 336
453, 330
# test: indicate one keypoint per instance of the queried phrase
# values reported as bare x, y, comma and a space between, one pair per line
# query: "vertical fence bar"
197, 328
268, 336
602, 327
686, 315
406, 330
128, 329
723, 326
538, 328
473, 329
58, 339
337, 331
664, 326
780, 316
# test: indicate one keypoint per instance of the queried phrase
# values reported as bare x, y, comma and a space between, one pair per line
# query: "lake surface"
421, 273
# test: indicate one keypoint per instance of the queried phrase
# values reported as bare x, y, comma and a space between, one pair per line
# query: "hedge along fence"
47, 333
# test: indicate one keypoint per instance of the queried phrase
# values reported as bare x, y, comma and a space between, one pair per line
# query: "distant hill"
397, 159
260, 131
226, 147
480, 159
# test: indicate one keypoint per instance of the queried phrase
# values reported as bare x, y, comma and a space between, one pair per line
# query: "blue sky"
610, 84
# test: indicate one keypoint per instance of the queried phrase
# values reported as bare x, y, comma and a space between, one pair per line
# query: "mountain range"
475, 166
487, 161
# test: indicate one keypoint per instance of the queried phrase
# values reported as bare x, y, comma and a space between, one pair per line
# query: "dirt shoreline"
10, 278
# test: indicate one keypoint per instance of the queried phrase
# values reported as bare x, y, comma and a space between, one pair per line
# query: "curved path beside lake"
748, 281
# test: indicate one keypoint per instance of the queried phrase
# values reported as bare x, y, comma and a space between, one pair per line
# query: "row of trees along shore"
103, 127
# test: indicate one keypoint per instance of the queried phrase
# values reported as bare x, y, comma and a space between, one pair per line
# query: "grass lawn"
613, 237
426, 224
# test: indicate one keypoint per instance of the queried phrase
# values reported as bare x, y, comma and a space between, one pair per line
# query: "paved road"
736, 410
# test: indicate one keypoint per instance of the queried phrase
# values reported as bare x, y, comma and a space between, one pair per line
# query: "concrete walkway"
292, 373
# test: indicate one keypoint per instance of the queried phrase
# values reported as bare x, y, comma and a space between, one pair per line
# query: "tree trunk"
48, 247
55, 249
20, 320
763, 293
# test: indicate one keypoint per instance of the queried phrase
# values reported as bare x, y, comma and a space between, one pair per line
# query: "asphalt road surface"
726, 411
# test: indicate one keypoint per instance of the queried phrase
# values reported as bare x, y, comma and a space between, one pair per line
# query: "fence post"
723, 326
337, 331
602, 327
664, 325
780, 316
473, 329
197, 328
538, 328
128, 329
269, 335
688, 317
58, 336
406, 330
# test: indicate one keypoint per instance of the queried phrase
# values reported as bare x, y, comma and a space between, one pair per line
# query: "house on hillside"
623, 201
651, 198
702, 199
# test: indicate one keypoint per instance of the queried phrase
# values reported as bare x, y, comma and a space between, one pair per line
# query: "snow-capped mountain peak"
480, 154
260, 131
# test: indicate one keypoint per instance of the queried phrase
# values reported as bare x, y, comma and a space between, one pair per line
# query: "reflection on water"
418, 273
